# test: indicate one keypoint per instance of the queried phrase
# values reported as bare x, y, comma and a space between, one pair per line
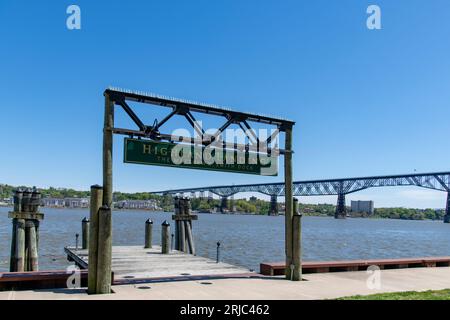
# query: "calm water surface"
247, 240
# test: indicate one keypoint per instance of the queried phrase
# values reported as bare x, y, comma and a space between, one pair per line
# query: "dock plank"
129, 262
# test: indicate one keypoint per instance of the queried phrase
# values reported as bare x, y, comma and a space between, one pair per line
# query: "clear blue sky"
365, 102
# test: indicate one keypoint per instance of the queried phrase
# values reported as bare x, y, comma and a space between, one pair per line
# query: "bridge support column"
447, 209
341, 209
210, 197
223, 204
273, 210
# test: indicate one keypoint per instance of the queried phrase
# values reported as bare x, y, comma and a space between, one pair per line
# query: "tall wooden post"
12, 261
104, 251
108, 151
96, 203
288, 201
105, 228
296, 243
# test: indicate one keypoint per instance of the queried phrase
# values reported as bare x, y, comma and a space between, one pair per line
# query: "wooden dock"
136, 263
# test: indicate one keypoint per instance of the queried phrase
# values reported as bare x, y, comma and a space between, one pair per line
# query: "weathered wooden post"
288, 201
25, 238
84, 233
148, 233
176, 204
32, 251
104, 250
296, 245
20, 245
165, 237
184, 240
188, 226
96, 203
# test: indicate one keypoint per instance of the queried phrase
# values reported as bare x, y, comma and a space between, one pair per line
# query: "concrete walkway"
317, 286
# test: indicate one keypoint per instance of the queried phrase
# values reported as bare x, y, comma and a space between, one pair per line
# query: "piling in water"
25, 230
32, 251
20, 245
12, 261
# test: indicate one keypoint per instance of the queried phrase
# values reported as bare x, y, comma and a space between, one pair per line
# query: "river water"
247, 240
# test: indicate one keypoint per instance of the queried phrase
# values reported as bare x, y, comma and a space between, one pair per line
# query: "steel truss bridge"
341, 187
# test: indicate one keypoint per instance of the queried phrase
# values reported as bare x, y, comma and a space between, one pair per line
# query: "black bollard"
218, 252
76, 241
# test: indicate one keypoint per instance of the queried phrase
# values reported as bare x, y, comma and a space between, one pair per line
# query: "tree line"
252, 205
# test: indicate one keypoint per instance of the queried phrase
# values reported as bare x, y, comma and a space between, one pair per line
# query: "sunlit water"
247, 240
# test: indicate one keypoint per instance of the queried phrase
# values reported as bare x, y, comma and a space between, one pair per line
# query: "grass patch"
408, 295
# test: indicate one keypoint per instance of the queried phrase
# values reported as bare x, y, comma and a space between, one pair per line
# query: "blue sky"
366, 102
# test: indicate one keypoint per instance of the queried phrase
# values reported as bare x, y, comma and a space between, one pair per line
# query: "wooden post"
296, 244
182, 237
148, 233
108, 152
105, 223
165, 237
176, 204
288, 201
12, 260
20, 245
33, 260
96, 203
84, 233
104, 251
189, 237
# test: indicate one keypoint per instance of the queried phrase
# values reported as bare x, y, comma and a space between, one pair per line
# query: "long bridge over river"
439, 181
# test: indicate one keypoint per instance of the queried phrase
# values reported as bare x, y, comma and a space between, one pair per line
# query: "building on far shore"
363, 207
53, 202
6, 202
76, 202
65, 202
137, 204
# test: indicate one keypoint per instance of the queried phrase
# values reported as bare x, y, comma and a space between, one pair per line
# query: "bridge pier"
273, 210
447, 209
341, 209
223, 203
210, 197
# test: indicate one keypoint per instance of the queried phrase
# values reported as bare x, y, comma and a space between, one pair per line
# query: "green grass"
409, 295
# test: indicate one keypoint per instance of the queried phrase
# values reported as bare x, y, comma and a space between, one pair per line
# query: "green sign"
198, 157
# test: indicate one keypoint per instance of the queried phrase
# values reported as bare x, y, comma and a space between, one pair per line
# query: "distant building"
76, 202
53, 202
137, 204
363, 207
